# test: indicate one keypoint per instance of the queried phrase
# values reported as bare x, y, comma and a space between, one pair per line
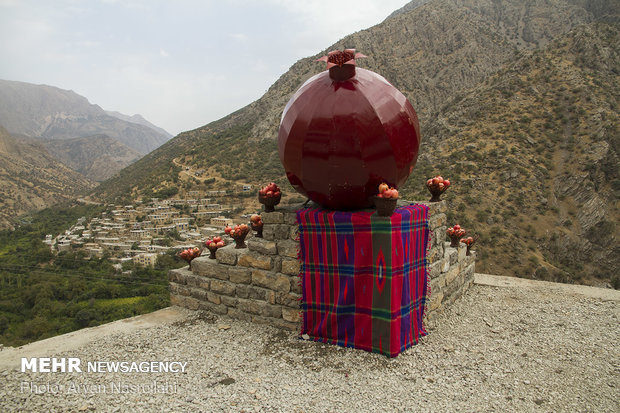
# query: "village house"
221, 222
145, 259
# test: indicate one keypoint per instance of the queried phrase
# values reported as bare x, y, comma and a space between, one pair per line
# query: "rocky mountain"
54, 114
138, 119
30, 178
407, 8
439, 53
535, 153
96, 157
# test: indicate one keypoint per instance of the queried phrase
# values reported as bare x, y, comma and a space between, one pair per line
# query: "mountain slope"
442, 55
30, 178
431, 53
534, 155
53, 113
96, 157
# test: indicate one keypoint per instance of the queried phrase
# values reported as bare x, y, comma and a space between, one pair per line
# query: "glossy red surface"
339, 140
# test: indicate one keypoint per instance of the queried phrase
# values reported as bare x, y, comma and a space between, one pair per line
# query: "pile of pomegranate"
214, 243
190, 253
270, 191
238, 231
386, 191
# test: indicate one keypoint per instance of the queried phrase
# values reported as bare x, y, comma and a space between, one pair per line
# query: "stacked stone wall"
261, 283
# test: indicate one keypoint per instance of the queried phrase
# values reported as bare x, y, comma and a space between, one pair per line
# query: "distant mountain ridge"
138, 119
53, 113
96, 157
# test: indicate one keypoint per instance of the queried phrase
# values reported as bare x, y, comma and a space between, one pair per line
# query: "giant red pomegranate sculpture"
345, 131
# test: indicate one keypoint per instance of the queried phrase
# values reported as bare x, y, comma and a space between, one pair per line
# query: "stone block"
180, 289
437, 220
434, 269
269, 232
223, 287
291, 266
439, 235
451, 254
262, 246
192, 280
270, 310
452, 274
468, 273
229, 301
291, 314
173, 288
466, 262
435, 302
239, 315
282, 231
228, 255
249, 306
255, 260
239, 275
275, 217
434, 255
290, 218
207, 267
273, 281
288, 248
178, 275
462, 251
198, 293
242, 291
216, 308
296, 285
186, 302
260, 308
176, 300
434, 208
288, 299
441, 280
277, 264
435, 286
294, 232
445, 264
454, 295
451, 288
259, 293
214, 298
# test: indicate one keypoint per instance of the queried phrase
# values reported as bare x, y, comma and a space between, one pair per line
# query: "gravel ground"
498, 349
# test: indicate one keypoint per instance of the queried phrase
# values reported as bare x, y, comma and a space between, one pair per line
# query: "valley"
518, 108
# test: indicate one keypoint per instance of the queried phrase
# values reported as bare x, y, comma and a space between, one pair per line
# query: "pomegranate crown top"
341, 64
340, 57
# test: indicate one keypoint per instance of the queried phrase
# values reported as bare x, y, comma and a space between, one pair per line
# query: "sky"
180, 64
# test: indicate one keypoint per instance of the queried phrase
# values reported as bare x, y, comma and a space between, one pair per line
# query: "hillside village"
140, 232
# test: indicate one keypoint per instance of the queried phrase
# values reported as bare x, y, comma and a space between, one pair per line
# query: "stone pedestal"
261, 283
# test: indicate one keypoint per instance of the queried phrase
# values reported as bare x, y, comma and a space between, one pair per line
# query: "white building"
147, 259
221, 222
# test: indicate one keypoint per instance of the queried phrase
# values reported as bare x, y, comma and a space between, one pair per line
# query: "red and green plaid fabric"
364, 277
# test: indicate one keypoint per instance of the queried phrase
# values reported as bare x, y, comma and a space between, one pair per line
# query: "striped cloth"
364, 277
